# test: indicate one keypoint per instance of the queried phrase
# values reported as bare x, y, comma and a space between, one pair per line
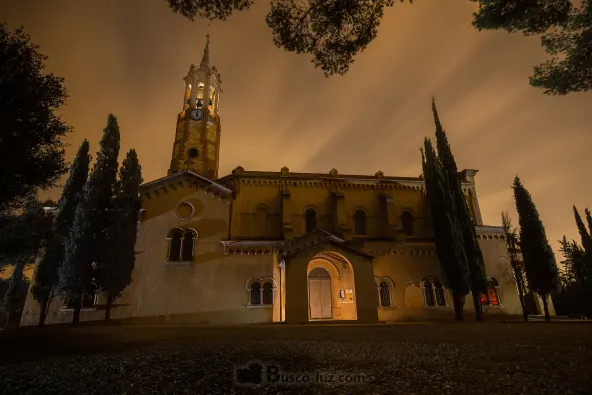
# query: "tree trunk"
522, 300
110, 300
44, 306
42, 314
521, 289
76, 318
478, 307
546, 307
458, 306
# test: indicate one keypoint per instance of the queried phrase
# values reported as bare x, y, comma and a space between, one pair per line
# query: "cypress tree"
447, 234
471, 245
585, 283
512, 244
86, 244
539, 260
46, 272
588, 219
586, 239
114, 273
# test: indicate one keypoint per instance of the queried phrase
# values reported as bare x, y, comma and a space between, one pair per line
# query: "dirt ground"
403, 358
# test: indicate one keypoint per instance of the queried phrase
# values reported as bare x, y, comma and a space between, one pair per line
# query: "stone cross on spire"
205, 60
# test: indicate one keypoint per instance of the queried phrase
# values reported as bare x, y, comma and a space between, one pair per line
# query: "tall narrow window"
385, 294
440, 294
268, 293
428, 293
188, 246
311, 220
407, 222
255, 293
360, 222
175, 245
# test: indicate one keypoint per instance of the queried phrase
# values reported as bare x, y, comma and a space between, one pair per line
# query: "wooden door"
315, 298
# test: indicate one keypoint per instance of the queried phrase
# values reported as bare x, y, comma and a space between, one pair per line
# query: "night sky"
129, 57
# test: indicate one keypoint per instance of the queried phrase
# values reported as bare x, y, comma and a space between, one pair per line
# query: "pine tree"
539, 260
114, 273
86, 244
447, 233
512, 243
469, 235
46, 272
31, 147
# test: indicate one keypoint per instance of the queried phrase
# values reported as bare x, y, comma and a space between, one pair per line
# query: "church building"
280, 246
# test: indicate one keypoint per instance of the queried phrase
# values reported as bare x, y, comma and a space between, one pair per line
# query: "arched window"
175, 236
385, 294
360, 222
255, 294
440, 294
492, 296
268, 293
428, 293
261, 223
188, 246
311, 220
407, 222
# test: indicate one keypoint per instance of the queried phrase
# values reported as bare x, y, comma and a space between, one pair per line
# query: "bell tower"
197, 141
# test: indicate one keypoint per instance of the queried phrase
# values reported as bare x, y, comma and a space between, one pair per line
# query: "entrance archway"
319, 294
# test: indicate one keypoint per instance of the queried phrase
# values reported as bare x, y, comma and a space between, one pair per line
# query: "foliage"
539, 260
46, 271
87, 240
22, 235
115, 271
513, 246
220, 9
472, 250
334, 31
17, 286
31, 144
527, 16
575, 296
447, 233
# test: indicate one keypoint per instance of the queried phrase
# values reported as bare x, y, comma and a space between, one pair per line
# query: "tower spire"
205, 60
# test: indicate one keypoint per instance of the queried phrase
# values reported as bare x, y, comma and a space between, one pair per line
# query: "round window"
192, 152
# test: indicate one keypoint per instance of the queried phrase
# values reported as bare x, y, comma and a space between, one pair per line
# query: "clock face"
197, 114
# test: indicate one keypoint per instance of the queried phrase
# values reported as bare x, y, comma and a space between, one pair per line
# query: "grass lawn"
406, 358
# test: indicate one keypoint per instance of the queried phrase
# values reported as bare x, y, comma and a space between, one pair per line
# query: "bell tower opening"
197, 141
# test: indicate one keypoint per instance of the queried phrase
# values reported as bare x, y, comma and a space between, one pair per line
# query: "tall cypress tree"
87, 241
584, 234
588, 219
447, 234
467, 227
46, 272
539, 260
585, 282
114, 273
512, 243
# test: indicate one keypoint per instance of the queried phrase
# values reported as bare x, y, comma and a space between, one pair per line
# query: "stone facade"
282, 246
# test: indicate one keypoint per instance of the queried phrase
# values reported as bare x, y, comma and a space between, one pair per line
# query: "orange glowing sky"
129, 56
